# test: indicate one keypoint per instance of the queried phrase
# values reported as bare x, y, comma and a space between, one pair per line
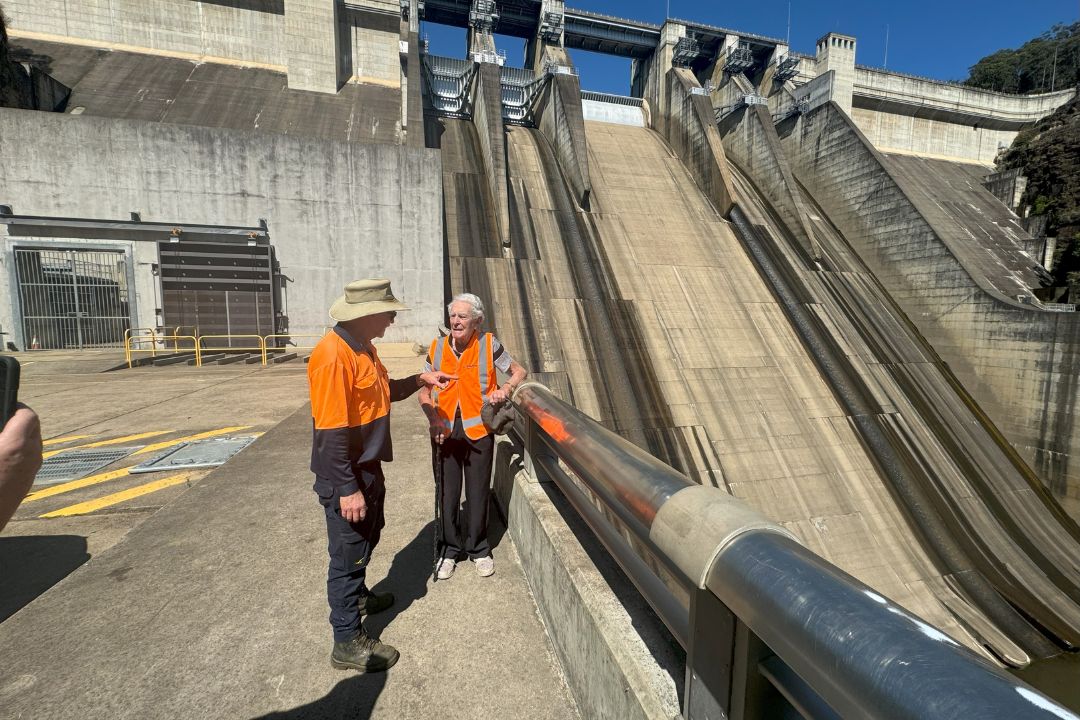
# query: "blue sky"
934, 39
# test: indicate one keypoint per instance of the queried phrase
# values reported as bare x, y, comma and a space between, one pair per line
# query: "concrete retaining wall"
320, 43
934, 119
616, 655
1020, 364
255, 35
336, 210
892, 132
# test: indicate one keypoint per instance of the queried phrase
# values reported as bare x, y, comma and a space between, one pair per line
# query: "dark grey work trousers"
349, 546
464, 532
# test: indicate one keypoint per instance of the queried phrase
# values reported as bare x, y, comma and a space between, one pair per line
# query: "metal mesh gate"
72, 298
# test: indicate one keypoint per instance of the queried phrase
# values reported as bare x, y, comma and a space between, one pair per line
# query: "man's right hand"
353, 507
437, 378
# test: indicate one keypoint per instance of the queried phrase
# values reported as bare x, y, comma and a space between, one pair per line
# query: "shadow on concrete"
353, 698
31, 565
407, 579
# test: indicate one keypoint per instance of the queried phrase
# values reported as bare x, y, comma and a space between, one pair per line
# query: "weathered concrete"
1015, 359
487, 117
598, 111
336, 210
312, 37
205, 30
750, 140
560, 118
901, 113
594, 616
134, 86
691, 131
836, 54
321, 43
215, 606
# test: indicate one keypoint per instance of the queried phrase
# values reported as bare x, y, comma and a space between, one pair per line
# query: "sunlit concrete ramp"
215, 607
716, 381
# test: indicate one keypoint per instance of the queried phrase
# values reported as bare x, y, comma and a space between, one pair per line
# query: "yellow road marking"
122, 472
109, 500
69, 438
114, 441
76, 484
190, 438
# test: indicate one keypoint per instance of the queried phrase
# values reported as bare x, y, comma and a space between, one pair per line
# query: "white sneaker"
485, 566
445, 569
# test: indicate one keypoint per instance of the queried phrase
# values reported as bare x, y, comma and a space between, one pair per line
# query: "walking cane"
437, 539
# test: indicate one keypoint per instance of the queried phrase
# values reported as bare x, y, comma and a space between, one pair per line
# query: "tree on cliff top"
1050, 61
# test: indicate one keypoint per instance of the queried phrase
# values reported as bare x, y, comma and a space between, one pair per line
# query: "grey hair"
472, 301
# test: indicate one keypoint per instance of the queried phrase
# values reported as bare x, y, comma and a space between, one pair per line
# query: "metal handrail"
199, 348
129, 348
698, 554
133, 335
266, 342
176, 332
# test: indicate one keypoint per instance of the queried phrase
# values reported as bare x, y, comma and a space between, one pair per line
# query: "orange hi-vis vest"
476, 380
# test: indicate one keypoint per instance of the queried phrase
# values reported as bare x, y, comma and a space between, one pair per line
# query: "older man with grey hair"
462, 446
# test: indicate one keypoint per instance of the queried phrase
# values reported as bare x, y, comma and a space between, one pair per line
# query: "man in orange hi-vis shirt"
350, 406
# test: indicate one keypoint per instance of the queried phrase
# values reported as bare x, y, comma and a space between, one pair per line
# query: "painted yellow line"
69, 438
114, 441
109, 500
190, 438
76, 484
122, 472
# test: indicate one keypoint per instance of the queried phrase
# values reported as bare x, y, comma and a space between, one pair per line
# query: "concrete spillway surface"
725, 389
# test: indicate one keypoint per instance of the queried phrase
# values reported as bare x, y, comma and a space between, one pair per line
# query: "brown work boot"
363, 654
373, 603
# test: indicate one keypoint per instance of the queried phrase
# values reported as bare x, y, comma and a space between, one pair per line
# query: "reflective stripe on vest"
436, 364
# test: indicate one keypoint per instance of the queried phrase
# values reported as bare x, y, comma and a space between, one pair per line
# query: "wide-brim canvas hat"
365, 297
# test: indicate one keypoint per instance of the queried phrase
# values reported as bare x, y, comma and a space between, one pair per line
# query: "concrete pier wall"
336, 211
751, 142
560, 116
690, 128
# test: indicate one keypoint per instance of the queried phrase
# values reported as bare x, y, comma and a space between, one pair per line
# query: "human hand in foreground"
20, 458
438, 429
437, 378
353, 507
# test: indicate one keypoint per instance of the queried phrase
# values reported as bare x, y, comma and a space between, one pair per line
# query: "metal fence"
72, 299
612, 99
770, 629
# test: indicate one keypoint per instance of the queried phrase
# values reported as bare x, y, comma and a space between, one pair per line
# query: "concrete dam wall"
337, 210
961, 278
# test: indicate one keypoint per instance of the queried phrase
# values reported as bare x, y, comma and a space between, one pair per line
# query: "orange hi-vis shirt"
475, 370
351, 394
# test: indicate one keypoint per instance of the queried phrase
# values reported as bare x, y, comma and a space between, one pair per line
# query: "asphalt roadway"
207, 598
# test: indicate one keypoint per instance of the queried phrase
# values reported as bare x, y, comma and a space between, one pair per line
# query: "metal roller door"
218, 289
72, 299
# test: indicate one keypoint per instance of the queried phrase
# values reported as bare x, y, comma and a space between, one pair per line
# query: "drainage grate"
204, 453
74, 464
